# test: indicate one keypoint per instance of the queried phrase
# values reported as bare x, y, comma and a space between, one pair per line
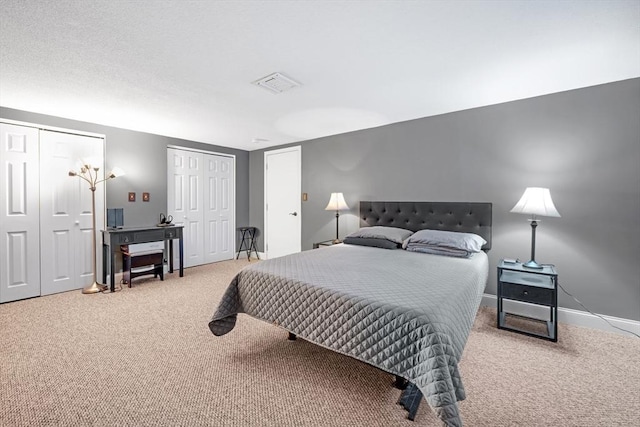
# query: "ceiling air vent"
276, 83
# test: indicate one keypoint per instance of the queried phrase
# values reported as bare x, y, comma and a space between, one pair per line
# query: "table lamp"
535, 201
337, 203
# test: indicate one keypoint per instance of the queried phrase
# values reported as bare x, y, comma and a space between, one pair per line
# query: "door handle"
294, 213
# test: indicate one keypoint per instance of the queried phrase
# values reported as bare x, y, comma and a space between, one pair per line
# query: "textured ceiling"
184, 68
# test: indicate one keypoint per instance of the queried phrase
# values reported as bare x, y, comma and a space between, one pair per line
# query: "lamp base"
94, 288
336, 241
532, 264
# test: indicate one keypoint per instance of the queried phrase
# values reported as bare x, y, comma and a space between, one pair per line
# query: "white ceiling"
184, 68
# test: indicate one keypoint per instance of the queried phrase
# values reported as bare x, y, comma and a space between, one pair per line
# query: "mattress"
406, 313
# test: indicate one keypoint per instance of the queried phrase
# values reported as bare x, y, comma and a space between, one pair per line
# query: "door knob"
294, 213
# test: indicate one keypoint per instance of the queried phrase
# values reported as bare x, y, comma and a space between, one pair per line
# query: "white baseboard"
566, 315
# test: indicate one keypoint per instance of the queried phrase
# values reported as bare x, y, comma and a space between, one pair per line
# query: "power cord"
119, 288
595, 314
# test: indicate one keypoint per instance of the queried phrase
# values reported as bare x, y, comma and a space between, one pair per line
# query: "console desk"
114, 237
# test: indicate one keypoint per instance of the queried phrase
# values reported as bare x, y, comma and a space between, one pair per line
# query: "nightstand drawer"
530, 294
527, 279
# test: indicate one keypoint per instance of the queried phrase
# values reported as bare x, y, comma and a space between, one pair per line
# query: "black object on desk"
113, 238
115, 218
248, 242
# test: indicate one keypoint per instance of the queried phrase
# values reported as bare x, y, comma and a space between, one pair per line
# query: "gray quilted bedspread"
406, 313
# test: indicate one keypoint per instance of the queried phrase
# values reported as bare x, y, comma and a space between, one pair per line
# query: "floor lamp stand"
89, 173
95, 287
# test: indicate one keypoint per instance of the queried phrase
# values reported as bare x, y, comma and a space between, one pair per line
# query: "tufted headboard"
451, 216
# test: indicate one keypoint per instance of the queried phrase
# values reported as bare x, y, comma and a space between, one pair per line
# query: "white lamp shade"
336, 203
116, 172
536, 201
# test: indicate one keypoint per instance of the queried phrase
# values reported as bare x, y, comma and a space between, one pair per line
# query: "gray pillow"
468, 242
392, 234
376, 243
439, 250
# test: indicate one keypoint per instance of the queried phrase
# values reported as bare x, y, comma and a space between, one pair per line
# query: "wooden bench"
141, 264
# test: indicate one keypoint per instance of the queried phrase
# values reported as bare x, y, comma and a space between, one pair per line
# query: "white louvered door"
19, 213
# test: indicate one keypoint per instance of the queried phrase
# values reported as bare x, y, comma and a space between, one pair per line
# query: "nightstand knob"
526, 292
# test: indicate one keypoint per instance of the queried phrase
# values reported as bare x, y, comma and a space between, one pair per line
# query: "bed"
407, 313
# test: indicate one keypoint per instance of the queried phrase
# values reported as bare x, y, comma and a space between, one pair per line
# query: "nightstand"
325, 243
538, 287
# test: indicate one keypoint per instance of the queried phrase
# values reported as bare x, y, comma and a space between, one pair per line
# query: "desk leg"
181, 257
112, 269
105, 248
170, 256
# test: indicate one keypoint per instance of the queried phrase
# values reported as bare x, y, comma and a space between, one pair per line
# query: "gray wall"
584, 145
143, 156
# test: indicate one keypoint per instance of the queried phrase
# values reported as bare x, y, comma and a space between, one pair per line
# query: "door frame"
53, 128
298, 150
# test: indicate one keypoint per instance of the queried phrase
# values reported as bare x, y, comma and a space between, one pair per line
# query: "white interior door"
219, 212
282, 195
185, 201
19, 213
65, 212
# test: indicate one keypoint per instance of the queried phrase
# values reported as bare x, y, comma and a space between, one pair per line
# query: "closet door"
185, 201
219, 212
19, 213
65, 211
201, 196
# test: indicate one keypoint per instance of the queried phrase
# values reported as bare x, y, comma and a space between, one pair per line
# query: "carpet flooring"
145, 357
